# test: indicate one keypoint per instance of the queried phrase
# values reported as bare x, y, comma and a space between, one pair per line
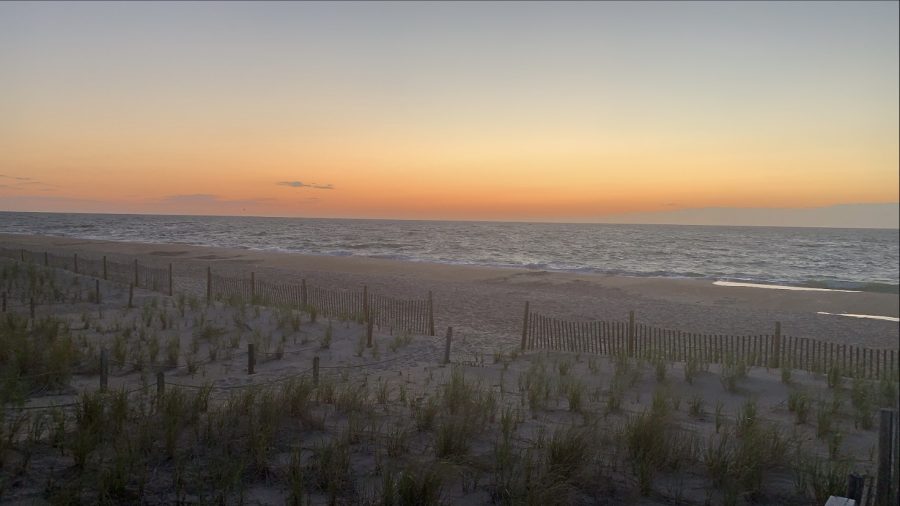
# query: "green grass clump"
330, 468
42, 357
733, 370
798, 403
400, 340
419, 486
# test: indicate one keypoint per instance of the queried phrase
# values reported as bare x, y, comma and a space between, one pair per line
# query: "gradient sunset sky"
471, 110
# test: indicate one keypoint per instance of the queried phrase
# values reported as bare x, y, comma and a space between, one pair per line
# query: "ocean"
853, 259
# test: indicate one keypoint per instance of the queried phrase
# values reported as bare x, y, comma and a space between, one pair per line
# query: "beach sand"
484, 304
372, 399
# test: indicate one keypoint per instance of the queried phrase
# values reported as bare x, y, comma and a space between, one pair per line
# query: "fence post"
251, 358
170, 279
430, 314
208, 284
104, 267
104, 369
97, 287
855, 486
46, 259
885, 447
75, 261
160, 384
631, 333
369, 334
316, 371
252, 286
447, 345
895, 479
776, 347
130, 295
525, 326
22, 255
137, 281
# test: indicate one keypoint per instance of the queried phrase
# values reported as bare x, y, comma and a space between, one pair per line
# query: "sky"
582, 111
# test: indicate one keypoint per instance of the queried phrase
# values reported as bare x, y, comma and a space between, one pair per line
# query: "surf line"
873, 317
781, 287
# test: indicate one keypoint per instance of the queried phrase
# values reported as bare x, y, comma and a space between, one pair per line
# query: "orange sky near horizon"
442, 132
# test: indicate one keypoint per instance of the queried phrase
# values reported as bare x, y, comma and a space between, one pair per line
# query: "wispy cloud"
18, 178
300, 184
24, 183
208, 198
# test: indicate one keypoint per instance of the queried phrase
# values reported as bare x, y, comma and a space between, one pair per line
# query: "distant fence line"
541, 332
412, 315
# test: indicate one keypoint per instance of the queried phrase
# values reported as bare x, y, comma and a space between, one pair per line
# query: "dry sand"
484, 304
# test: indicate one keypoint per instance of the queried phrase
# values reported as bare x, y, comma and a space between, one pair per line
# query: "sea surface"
854, 259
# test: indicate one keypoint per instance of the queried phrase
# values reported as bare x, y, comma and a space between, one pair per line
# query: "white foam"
873, 317
781, 287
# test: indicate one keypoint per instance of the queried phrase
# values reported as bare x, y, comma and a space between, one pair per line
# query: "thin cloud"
20, 183
300, 184
208, 198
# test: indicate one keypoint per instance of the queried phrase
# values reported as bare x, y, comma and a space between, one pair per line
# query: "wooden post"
316, 371
208, 284
855, 486
776, 347
430, 314
631, 333
885, 448
369, 334
160, 384
75, 261
97, 288
137, 281
525, 326
895, 488
252, 286
447, 345
31, 307
104, 369
46, 259
22, 255
304, 300
170, 279
104, 267
251, 358
130, 295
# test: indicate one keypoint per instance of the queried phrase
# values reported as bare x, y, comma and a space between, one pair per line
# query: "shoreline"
484, 304
816, 286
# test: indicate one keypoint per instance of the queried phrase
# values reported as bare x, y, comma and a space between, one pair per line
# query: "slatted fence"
542, 332
412, 315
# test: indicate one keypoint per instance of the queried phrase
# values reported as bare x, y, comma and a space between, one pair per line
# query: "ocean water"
854, 259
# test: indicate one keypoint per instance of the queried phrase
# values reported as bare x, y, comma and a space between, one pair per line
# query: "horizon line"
486, 221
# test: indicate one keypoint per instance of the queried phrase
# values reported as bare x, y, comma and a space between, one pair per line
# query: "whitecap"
873, 317
781, 287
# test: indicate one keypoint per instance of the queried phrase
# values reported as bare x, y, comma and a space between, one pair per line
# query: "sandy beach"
320, 416
484, 304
